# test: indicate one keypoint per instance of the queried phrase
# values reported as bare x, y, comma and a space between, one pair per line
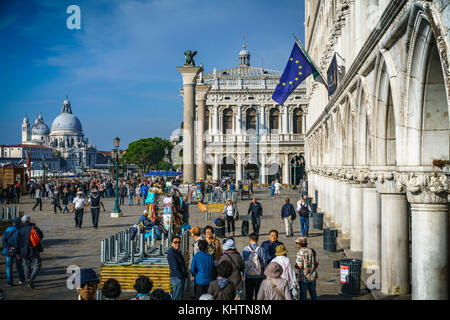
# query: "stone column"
286, 120
201, 90
189, 75
263, 169
394, 237
428, 195
371, 227
239, 120
239, 167
337, 203
356, 214
331, 203
345, 209
216, 167
286, 169
262, 122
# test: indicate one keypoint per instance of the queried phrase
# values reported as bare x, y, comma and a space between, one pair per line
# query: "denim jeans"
130, 200
178, 288
304, 225
65, 209
32, 266
9, 269
307, 287
256, 224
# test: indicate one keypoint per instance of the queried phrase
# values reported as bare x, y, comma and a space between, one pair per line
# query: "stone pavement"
64, 245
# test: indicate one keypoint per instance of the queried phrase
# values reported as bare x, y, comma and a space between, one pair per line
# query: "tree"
147, 153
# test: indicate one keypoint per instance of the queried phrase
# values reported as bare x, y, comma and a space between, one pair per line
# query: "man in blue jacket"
178, 270
9, 241
203, 270
270, 246
30, 254
288, 215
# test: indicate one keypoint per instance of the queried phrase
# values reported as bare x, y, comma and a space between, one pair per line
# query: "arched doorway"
228, 167
297, 169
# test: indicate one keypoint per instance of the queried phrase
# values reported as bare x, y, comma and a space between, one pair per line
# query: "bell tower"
26, 133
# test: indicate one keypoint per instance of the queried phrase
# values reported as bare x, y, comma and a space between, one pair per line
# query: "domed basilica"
66, 136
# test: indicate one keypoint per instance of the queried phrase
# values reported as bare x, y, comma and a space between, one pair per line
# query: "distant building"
18, 154
66, 136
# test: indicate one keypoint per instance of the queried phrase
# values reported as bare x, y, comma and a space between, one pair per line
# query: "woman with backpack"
222, 288
254, 260
230, 254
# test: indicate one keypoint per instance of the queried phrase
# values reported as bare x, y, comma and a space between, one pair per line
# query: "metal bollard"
132, 251
116, 258
102, 252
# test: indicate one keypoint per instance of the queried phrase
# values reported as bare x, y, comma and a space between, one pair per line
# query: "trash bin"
318, 221
329, 240
350, 276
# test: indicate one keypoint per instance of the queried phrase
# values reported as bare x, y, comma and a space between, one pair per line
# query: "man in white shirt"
277, 189
79, 205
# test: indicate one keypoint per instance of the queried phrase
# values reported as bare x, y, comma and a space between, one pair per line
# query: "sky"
119, 69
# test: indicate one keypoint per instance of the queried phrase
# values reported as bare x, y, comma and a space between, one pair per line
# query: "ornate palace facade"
246, 134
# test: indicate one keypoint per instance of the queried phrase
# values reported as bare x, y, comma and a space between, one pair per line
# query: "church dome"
67, 122
39, 128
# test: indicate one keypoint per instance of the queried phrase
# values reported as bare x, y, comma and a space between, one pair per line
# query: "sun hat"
280, 250
302, 240
229, 245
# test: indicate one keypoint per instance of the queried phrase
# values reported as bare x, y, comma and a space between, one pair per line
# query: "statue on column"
189, 58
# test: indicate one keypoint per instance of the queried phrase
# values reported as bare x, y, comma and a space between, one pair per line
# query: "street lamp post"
295, 175
166, 164
116, 211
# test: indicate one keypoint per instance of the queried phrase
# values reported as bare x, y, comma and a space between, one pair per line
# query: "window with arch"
251, 119
227, 121
298, 118
274, 120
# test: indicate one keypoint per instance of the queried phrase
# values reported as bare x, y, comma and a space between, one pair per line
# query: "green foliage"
147, 153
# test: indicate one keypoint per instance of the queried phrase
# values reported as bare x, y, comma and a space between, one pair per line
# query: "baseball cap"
25, 218
302, 240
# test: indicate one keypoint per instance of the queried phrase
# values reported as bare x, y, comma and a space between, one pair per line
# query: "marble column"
428, 195
263, 169
189, 75
239, 120
345, 210
216, 167
331, 202
337, 204
356, 214
286, 169
239, 167
201, 90
285, 120
371, 228
394, 237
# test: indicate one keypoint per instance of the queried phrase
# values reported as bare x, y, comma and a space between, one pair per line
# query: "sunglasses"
176, 242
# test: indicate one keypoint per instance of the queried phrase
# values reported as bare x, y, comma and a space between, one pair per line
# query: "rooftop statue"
189, 58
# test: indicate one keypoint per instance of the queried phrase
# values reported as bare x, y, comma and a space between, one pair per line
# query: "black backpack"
304, 212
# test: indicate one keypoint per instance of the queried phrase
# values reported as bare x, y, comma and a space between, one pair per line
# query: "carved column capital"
386, 183
425, 188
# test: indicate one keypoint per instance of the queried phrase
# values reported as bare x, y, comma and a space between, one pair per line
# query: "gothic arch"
427, 103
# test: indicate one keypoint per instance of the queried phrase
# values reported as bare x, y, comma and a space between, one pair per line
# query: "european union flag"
298, 69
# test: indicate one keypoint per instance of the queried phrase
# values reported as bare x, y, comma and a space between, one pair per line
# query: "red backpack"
35, 239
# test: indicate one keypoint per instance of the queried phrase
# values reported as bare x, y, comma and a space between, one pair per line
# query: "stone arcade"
378, 150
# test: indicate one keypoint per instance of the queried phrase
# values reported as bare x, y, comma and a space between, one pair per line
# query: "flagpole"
304, 52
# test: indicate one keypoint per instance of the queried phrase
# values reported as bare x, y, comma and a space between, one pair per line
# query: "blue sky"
119, 70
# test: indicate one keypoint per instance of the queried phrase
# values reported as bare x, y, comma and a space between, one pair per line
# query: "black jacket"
255, 209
